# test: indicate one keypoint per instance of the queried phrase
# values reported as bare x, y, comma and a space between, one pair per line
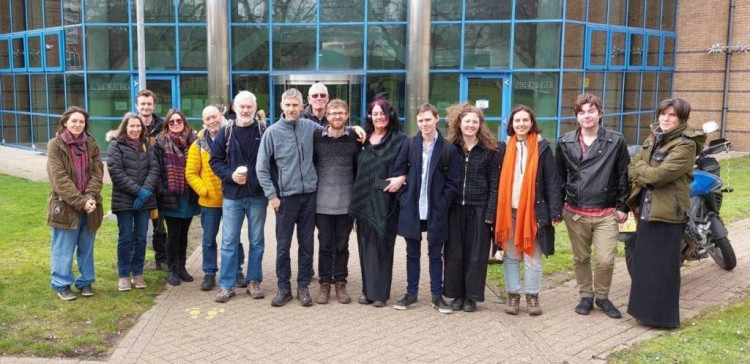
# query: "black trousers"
296, 210
466, 253
333, 248
177, 233
159, 239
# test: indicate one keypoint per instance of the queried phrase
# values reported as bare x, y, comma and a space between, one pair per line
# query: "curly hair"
456, 113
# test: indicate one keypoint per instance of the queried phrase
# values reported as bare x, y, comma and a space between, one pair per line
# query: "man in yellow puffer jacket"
207, 185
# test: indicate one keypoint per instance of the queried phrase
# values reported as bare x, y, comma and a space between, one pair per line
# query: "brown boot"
323, 293
341, 294
532, 303
514, 300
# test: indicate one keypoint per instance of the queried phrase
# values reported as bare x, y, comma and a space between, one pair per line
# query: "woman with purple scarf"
176, 200
74, 207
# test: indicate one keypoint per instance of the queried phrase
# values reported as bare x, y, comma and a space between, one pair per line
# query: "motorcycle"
705, 234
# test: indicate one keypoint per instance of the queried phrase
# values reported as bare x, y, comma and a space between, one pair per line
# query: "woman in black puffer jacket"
134, 171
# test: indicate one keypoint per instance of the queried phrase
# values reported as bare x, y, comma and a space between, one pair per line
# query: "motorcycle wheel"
723, 254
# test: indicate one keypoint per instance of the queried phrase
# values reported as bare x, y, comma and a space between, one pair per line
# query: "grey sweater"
335, 162
289, 144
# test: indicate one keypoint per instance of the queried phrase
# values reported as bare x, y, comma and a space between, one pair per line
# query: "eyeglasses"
318, 96
337, 113
175, 122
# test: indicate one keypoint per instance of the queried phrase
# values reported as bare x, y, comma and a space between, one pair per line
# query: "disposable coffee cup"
241, 170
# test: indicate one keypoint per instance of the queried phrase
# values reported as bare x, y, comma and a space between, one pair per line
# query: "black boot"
184, 275
174, 276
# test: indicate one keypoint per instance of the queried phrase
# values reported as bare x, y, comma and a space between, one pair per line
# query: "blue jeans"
532, 279
210, 221
131, 242
234, 211
64, 243
299, 210
435, 254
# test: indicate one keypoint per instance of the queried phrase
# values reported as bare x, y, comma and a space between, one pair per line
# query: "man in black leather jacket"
593, 166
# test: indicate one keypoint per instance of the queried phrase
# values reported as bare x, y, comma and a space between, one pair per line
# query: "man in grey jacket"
286, 172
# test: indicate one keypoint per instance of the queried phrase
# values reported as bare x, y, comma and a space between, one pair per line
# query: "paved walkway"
187, 326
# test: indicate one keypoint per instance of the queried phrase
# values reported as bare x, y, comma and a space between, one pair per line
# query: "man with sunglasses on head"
317, 99
145, 103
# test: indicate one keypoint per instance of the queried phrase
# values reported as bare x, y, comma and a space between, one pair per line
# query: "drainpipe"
218, 51
418, 66
727, 67
140, 35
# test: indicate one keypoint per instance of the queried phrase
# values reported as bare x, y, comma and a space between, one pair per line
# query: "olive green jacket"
663, 171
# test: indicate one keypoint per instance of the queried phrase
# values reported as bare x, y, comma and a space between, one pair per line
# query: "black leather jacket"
601, 179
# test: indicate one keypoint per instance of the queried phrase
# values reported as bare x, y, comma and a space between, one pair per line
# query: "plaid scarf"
174, 151
80, 157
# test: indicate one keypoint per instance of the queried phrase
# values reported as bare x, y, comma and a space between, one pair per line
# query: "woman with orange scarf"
528, 205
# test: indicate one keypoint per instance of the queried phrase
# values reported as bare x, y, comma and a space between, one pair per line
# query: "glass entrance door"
345, 87
165, 88
491, 93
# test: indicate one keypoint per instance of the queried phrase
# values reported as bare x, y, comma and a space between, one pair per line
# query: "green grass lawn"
33, 320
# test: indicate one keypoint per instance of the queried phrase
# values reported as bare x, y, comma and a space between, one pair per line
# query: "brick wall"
699, 76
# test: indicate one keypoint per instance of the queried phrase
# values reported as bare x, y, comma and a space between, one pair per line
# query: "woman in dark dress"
661, 174
374, 204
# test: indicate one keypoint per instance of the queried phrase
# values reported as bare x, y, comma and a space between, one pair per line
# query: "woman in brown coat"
74, 207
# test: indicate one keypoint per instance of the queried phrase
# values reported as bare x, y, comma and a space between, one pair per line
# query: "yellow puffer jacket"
199, 174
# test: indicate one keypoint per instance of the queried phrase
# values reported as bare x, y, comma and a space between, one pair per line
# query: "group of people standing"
458, 192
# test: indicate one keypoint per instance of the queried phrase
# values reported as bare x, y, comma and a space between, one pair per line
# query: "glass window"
341, 47
387, 10
74, 49
75, 90
72, 11
5, 14
630, 128
635, 13
19, 53
597, 12
294, 48
23, 128
487, 46
619, 49
192, 11
193, 48
99, 128
386, 47
108, 93
106, 11
537, 45
575, 10
652, 58
574, 45
23, 102
668, 15
668, 59
41, 130
56, 93
613, 92
34, 13
532, 9
444, 90
108, 48
9, 128
537, 90
446, 10
250, 48
445, 48
394, 86
636, 50
646, 119
160, 48
294, 11
52, 49
193, 95
39, 94
35, 51
593, 82
653, 14
572, 86
9, 102
4, 54
154, 11
631, 96
617, 12
257, 84
648, 91
488, 9
52, 16
598, 50
342, 11
250, 11
665, 86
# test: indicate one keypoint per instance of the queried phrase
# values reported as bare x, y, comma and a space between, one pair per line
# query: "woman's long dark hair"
390, 113
122, 130
70, 111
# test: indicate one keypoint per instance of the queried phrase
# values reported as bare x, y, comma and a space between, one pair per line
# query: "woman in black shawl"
375, 209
